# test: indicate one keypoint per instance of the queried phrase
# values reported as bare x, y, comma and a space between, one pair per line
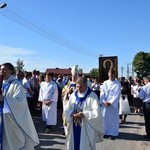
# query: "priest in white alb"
109, 101
17, 130
49, 96
85, 123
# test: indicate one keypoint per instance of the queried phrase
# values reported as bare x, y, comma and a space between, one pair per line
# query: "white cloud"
10, 51
12, 54
32, 59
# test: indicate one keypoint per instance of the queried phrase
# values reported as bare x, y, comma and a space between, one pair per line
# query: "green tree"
94, 73
19, 65
141, 64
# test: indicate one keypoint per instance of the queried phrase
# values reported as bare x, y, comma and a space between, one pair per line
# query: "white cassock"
110, 92
49, 91
91, 126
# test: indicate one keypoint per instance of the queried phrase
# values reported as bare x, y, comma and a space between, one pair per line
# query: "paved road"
130, 136
55, 140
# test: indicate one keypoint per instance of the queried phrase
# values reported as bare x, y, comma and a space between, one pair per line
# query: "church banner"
105, 64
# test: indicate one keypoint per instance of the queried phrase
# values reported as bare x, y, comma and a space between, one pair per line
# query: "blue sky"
64, 33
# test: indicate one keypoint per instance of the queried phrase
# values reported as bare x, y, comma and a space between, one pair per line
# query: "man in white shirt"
145, 96
28, 91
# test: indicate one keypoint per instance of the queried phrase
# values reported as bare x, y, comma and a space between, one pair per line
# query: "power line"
22, 18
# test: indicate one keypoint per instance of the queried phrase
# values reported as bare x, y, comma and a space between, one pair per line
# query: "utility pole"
128, 70
121, 71
132, 72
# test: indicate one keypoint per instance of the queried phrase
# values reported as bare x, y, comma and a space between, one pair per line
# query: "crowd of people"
91, 111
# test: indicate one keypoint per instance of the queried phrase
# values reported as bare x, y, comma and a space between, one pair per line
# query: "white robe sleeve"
54, 97
40, 95
114, 100
112, 96
103, 93
92, 112
93, 116
68, 109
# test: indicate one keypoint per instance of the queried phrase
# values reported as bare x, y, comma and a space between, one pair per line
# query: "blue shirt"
145, 93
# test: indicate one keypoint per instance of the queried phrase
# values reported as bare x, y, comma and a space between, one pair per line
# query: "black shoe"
63, 134
49, 126
123, 121
112, 137
147, 136
47, 130
106, 136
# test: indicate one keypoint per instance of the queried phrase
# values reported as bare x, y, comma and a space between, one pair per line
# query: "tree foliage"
19, 65
141, 64
94, 73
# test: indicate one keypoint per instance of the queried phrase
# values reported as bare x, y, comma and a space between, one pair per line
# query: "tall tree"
19, 65
94, 73
141, 64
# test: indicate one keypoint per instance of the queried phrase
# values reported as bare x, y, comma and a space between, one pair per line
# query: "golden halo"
108, 60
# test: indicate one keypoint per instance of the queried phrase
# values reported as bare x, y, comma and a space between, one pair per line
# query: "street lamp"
3, 5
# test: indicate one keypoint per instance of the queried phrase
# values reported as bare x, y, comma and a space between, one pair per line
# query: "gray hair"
147, 78
82, 80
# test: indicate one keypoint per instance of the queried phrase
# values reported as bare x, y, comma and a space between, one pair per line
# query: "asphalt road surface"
131, 136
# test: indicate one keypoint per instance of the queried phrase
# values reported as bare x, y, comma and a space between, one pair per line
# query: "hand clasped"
1, 98
77, 118
47, 103
107, 104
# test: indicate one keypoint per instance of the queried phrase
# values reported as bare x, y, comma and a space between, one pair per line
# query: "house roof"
59, 71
